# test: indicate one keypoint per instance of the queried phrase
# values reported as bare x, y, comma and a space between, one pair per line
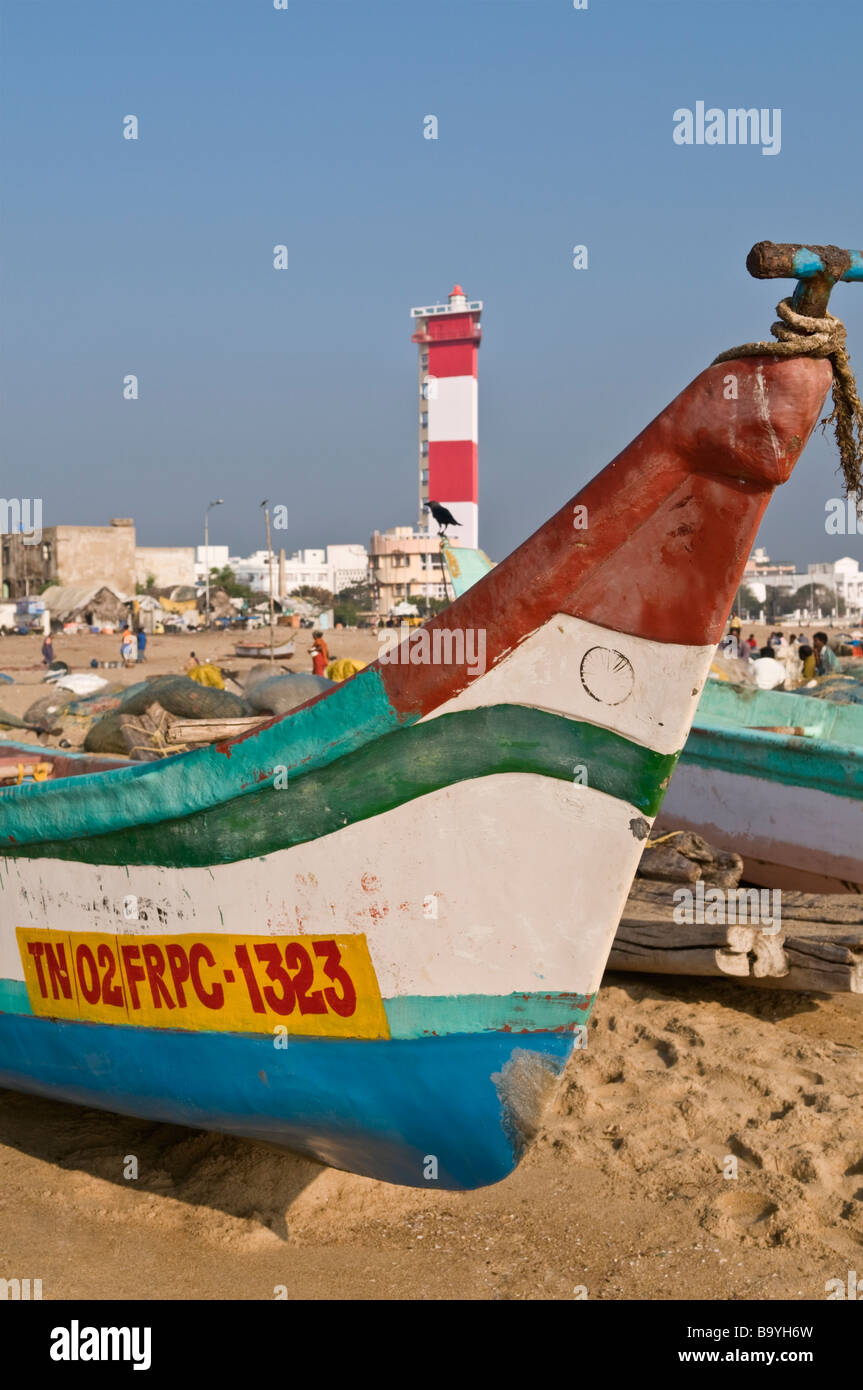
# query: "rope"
801, 336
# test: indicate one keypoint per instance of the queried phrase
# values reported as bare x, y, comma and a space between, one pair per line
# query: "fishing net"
48, 706
142, 737
89, 706
182, 696
208, 674
11, 721
279, 694
838, 689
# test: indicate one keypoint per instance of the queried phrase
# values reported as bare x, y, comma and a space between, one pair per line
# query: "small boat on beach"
371, 929
261, 651
778, 777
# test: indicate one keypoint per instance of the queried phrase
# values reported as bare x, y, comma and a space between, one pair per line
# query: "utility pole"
266, 508
217, 503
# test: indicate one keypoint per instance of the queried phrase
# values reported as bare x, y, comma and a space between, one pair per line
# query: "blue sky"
305, 127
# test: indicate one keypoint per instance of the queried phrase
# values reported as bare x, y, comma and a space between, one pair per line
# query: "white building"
762, 573
842, 577
335, 568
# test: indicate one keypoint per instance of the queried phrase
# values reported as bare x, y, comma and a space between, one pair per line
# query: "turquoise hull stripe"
388, 773
99, 802
422, 1016
741, 706
823, 766
418, 1016
13, 997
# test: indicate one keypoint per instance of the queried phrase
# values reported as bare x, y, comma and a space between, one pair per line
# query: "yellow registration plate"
235, 984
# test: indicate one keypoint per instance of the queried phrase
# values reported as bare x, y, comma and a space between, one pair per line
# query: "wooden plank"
822, 907
818, 947
208, 730
699, 960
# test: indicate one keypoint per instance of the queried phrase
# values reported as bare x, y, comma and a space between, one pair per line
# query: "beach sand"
622, 1195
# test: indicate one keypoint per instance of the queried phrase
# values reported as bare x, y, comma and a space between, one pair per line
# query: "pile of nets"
181, 696
343, 668
266, 693
839, 689
152, 702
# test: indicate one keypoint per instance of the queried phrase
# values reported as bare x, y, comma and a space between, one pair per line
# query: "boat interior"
17, 758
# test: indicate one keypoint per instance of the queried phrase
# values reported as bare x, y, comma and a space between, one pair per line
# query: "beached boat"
777, 776
261, 650
371, 929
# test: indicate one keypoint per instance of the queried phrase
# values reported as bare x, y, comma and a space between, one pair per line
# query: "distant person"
127, 647
793, 664
769, 673
734, 624
743, 652
321, 641
142, 645
826, 661
320, 658
47, 650
751, 642
807, 662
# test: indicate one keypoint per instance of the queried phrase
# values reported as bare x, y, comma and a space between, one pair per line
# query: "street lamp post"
217, 503
266, 508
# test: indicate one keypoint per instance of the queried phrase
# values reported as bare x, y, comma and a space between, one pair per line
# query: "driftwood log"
791, 940
683, 857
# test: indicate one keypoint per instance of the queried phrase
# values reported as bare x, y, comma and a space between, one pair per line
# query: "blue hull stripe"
381, 1109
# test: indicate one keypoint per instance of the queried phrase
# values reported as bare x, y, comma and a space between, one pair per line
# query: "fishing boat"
262, 651
371, 930
778, 777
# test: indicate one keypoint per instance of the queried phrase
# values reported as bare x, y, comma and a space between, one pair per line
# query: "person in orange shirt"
320, 655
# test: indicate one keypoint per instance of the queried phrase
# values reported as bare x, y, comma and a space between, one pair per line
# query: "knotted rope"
801, 336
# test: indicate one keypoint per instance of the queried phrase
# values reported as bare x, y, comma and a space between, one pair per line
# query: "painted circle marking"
607, 675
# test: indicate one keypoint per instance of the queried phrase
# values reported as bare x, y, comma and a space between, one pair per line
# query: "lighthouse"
448, 336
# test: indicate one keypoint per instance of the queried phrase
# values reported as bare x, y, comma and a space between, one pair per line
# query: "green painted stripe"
794, 761
397, 768
13, 997
418, 1016
357, 712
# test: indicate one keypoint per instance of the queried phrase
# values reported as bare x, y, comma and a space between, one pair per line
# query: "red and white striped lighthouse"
448, 336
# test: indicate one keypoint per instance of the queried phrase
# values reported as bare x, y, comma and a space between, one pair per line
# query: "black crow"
442, 516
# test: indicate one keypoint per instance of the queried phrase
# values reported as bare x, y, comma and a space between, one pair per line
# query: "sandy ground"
21, 658
623, 1193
